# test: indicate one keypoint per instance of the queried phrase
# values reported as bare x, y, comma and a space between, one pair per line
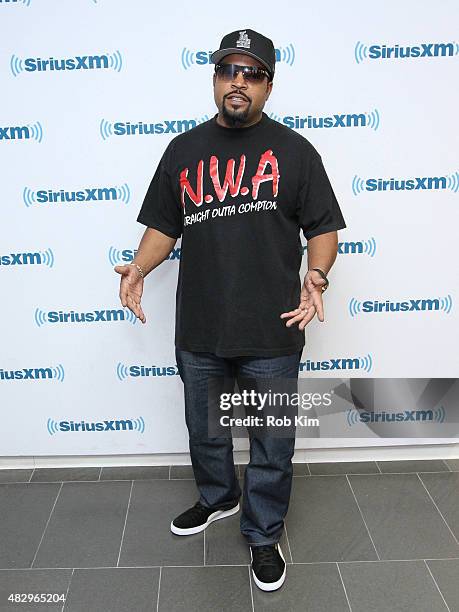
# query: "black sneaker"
268, 566
197, 518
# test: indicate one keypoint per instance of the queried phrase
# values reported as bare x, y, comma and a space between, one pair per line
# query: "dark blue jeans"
268, 476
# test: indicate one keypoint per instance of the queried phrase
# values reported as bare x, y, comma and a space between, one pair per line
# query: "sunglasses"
251, 74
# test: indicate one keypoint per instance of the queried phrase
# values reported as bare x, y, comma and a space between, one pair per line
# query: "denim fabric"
268, 476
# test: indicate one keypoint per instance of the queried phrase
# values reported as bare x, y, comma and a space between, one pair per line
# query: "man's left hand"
310, 302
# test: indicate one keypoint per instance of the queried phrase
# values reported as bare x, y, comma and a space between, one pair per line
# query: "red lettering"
268, 157
228, 182
186, 187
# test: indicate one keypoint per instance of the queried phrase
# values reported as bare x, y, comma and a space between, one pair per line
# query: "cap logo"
244, 40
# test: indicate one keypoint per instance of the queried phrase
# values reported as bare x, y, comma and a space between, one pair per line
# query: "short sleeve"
161, 206
317, 207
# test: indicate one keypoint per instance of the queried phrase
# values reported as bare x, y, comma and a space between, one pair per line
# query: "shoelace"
264, 555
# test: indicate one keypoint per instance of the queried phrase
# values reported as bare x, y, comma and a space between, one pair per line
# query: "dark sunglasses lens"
255, 75
228, 72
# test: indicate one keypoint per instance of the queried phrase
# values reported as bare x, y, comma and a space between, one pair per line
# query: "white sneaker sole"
270, 586
215, 516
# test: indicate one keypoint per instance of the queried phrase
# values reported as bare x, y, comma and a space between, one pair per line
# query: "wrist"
139, 268
322, 275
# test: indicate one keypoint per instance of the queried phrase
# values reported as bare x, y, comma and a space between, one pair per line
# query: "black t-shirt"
238, 197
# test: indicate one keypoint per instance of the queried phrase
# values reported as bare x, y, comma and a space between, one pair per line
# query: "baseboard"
311, 455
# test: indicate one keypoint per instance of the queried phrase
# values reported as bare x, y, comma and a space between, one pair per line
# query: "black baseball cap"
250, 43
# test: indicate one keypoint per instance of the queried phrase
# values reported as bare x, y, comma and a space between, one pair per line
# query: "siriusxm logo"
175, 126
364, 52
55, 427
106, 61
49, 373
119, 257
342, 363
139, 371
434, 416
38, 258
88, 194
373, 306
285, 55
92, 316
32, 131
448, 181
358, 247
348, 120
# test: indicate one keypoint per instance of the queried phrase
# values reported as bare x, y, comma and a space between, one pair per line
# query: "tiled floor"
359, 537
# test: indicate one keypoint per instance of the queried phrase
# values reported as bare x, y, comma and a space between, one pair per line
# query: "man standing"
238, 189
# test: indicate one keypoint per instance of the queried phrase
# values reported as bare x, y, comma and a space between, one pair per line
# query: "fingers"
305, 302
126, 284
301, 315
319, 306
284, 315
142, 316
123, 293
308, 317
127, 299
135, 307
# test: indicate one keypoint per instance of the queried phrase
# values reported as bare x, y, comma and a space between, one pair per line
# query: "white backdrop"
68, 131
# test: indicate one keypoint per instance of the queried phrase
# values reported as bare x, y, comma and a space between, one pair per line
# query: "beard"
236, 118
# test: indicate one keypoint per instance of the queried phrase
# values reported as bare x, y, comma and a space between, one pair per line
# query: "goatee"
235, 118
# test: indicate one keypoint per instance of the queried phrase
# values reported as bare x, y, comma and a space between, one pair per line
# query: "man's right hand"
131, 289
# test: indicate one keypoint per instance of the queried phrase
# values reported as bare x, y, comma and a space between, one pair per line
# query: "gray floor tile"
205, 589
285, 547
398, 586
446, 575
324, 523
24, 511
345, 467
34, 582
86, 525
402, 519
135, 472
15, 475
186, 471
430, 465
240, 469
300, 469
444, 489
285, 543
65, 474
148, 539
114, 590
225, 544
312, 587
453, 464
182, 471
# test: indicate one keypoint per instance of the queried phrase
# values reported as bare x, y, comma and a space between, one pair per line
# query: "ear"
269, 88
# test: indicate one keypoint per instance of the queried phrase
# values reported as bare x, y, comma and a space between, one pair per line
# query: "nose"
239, 81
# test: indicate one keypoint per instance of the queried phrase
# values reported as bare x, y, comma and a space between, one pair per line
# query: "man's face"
254, 95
